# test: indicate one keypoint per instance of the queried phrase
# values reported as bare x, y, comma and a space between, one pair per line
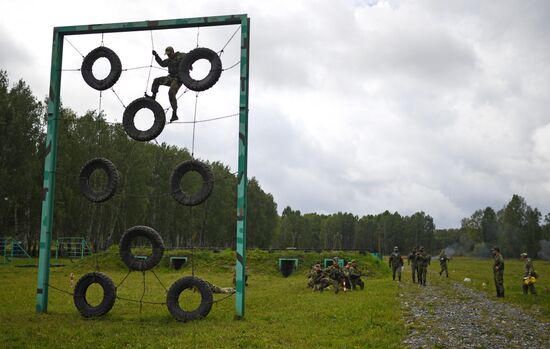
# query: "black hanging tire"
189, 282
183, 197
112, 180
88, 63
210, 79
109, 295
130, 114
125, 248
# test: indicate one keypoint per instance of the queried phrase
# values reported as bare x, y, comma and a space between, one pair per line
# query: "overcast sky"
355, 106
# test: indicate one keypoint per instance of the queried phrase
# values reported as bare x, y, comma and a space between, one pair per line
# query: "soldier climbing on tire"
172, 79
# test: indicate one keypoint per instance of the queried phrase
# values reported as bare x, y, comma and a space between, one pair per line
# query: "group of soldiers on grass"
347, 277
419, 261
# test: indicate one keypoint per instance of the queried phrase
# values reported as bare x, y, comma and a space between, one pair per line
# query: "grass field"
280, 312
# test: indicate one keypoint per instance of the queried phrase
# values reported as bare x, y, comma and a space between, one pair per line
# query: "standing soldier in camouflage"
422, 261
529, 275
396, 263
172, 79
411, 260
443, 263
355, 276
498, 271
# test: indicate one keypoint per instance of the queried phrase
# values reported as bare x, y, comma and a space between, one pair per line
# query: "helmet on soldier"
168, 50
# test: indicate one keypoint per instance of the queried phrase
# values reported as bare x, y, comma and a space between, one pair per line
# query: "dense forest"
143, 198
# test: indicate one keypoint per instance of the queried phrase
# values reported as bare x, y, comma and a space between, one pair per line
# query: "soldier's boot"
174, 116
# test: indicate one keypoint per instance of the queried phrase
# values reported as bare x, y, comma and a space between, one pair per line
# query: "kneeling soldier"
355, 276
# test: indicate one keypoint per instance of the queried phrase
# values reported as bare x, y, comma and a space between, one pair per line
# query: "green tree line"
515, 228
143, 194
374, 233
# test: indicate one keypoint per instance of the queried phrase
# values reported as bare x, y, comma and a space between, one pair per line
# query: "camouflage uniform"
355, 276
422, 260
172, 79
320, 281
529, 271
216, 289
498, 272
311, 277
346, 279
411, 260
443, 263
396, 263
335, 274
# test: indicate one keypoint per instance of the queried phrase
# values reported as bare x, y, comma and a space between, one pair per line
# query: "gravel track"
451, 315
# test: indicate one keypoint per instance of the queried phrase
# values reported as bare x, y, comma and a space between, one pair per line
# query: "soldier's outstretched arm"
162, 63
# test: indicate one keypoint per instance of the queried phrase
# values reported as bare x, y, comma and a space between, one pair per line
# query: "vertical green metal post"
48, 190
242, 175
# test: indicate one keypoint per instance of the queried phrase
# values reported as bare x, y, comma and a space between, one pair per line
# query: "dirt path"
450, 315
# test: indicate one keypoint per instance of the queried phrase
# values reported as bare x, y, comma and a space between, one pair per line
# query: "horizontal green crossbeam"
151, 25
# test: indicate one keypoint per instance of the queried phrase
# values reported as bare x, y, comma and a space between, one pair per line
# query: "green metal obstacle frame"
46, 228
11, 249
72, 248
